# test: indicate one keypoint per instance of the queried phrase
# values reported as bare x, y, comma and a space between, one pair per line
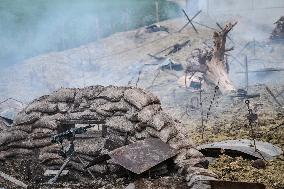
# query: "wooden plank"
13, 180
54, 172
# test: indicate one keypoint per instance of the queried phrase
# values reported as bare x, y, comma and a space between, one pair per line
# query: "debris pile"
278, 32
156, 28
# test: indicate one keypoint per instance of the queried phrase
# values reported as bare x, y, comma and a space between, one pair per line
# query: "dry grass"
239, 169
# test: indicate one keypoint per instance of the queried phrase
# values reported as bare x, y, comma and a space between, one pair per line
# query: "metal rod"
254, 47
202, 119
246, 76
198, 23
273, 96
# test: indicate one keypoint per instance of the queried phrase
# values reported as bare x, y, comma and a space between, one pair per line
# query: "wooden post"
201, 108
104, 131
246, 76
217, 70
254, 47
98, 35
208, 7
127, 19
157, 11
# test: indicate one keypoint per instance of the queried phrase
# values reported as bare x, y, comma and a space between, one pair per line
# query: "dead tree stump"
211, 63
217, 72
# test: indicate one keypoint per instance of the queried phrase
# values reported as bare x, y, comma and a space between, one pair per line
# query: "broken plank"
54, 172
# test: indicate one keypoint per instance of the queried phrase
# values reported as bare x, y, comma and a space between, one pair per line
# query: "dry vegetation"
234, 125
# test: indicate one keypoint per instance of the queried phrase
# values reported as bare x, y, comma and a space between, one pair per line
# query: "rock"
180, 141
130, 186
101, 169
193, 153
200, 181
259, 164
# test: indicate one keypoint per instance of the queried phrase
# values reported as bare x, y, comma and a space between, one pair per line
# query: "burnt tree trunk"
217, 72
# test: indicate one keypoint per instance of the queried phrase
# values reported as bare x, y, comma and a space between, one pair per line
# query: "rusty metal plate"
216, 184
243, 146
142, 155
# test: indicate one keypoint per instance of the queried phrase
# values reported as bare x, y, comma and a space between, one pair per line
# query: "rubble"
9, 109
278, 32
156, 28
3, 124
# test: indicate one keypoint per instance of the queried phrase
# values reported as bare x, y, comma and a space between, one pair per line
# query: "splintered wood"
217, 68
211, 62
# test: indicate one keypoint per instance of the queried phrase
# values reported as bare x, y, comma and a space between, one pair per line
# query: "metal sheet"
264, 149
235, 185
142, 155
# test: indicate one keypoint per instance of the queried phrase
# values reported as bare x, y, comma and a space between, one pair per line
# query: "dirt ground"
30, 171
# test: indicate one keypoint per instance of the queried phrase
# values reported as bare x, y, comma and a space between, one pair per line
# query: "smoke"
33, 27
250, 37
